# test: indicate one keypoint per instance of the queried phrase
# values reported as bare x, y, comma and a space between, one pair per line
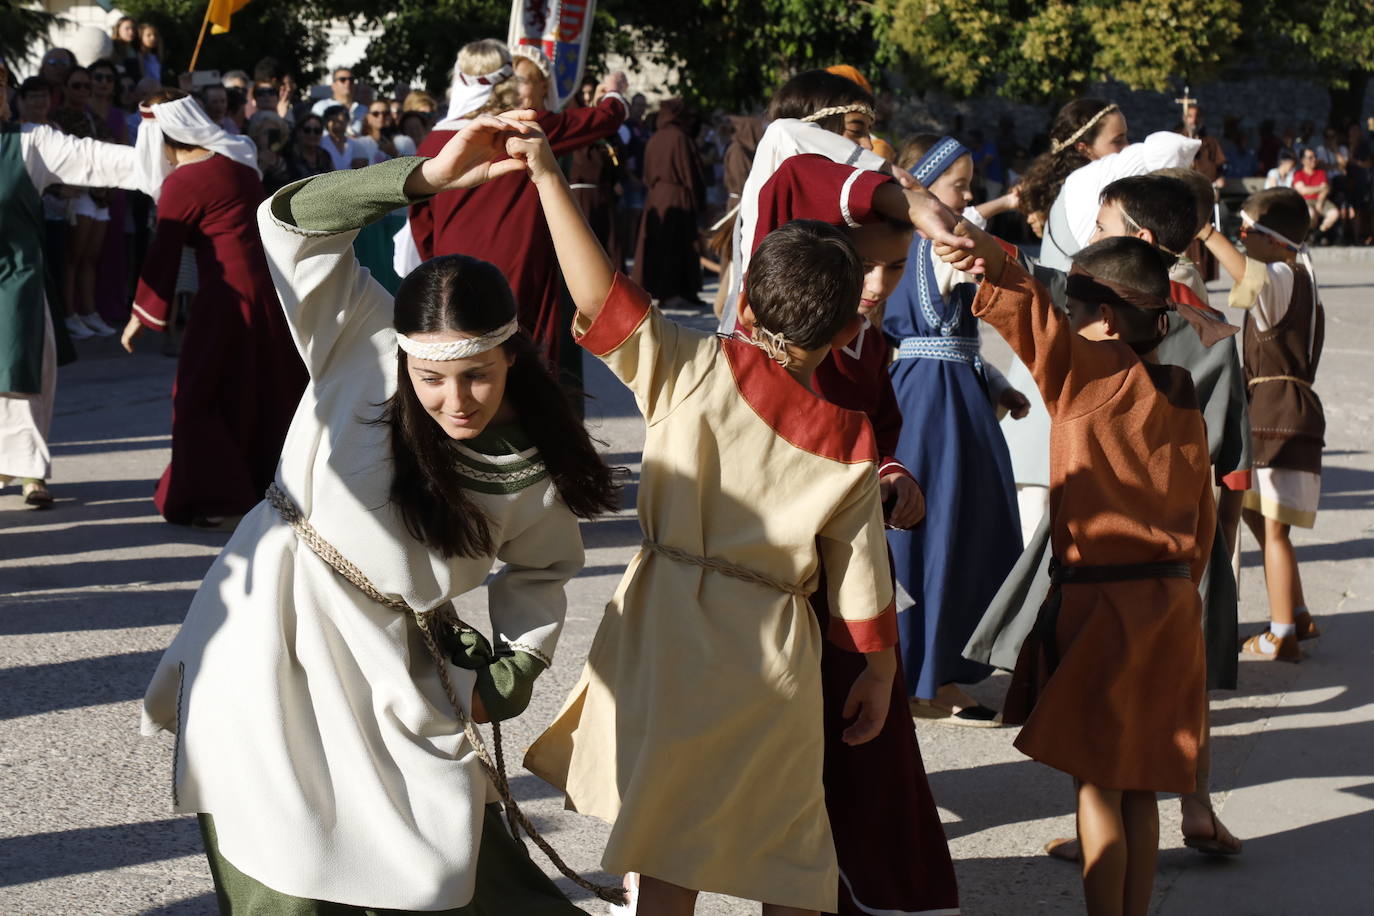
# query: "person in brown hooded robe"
667, 263
594, 173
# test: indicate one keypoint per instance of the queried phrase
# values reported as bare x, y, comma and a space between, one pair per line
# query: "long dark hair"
460, 293
1045, 176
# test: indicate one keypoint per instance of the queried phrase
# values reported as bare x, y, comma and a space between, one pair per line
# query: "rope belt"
966, 350
1047, 624
724, 568
1279, 378
582, 186
430, 623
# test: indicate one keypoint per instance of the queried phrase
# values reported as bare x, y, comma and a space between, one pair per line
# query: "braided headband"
937, 159
856, 108
487, 79
1061, 145
456, 349
1088, 287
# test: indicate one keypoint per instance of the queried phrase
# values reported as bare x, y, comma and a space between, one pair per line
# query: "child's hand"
870, 698
614, 82
1016, 403
468, 159
535, 154
909, 505
934, 220
984, 255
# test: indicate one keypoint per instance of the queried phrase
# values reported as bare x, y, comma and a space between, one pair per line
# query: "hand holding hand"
934, 220
470, 157
909, 506
535, 154
1016, 403
979, 253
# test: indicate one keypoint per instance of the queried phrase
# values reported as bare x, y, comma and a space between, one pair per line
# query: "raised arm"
1227, 255
53, 157
586, 269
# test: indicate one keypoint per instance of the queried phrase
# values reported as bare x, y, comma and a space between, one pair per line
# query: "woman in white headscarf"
240, 377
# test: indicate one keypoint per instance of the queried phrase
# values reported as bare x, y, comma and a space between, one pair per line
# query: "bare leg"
1281, 572
95, 240
660, 898
1140, 814
1102, 834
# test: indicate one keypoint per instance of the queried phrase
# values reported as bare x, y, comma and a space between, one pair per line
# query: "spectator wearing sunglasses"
343, 87
305, 157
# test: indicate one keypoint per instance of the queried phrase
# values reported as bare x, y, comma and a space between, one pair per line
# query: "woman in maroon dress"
501, 221
240, 376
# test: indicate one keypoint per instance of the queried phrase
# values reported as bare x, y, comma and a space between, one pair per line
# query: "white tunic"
52, 157
312, 723
784, 138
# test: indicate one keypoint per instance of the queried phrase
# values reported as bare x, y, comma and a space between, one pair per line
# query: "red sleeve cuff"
872, 635
1237, 480
856, 200
625, 308
893, 466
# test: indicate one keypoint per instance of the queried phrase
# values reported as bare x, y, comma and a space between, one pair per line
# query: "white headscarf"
470, 93
183, 121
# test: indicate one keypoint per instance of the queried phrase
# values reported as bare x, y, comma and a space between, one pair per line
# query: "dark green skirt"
508, 882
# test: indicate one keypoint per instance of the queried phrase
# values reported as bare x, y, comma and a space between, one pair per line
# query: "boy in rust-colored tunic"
1109, 686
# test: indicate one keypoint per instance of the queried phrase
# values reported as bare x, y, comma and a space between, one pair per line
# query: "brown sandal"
1215, 845
1065, 849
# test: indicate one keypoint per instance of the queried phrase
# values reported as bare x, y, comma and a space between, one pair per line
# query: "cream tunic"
312, 723
696, 725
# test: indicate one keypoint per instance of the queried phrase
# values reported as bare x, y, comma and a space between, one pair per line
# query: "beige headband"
856, 108
1059, 146
456, 349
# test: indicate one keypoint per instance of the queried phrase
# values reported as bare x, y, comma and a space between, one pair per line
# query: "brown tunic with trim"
696, 724
1287, 423
1130, 482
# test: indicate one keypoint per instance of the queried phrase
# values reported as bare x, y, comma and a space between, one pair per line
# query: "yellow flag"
220, 11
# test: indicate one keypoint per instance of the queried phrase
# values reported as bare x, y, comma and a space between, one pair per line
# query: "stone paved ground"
92, 591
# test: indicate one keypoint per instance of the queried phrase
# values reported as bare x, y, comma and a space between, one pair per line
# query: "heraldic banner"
562, 29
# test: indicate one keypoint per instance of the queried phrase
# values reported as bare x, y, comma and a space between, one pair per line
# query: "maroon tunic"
890, 844
240, 377
502, 222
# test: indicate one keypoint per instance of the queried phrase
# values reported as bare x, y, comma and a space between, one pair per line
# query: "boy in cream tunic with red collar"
695, 727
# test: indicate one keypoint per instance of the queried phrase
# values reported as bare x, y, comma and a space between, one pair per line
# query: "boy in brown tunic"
1110, 685
1284, 328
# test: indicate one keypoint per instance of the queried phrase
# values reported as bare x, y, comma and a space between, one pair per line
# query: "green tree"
23, 30
1333, 39
288, 30
1047, 50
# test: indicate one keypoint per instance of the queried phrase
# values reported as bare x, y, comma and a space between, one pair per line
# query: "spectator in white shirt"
343, 150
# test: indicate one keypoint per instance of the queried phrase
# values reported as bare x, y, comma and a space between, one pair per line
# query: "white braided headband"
456, 349
857, 108
1059, 146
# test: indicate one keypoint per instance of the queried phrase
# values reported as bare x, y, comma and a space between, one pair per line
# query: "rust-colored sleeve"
1075, 375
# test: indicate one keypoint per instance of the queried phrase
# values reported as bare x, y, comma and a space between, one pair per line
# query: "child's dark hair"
810, 91
1165, 206
914, 148
1134, 263
1280, 209
804, 282
1287, 155
1045, 176
461, 293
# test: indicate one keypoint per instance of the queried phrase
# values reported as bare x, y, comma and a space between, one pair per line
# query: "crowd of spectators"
96, 238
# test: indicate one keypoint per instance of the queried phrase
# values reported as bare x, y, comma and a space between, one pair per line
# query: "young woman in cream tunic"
315, 736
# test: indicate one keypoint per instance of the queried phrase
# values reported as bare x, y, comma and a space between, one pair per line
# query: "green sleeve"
347, 199
504, 682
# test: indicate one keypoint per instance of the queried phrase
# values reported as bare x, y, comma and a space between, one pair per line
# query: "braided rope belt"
965, 350
1279, 378
429, 623
724, 568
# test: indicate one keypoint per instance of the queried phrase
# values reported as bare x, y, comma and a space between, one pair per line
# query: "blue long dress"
950, 566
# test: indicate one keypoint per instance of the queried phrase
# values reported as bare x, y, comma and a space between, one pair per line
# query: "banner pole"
205, 24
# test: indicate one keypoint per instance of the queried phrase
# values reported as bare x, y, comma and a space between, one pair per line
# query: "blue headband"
937, 159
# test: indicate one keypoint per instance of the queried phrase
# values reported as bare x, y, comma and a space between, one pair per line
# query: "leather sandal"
977, 716
36, 494
1065, 849
1216, 844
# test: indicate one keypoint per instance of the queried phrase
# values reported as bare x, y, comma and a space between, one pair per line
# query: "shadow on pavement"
40, 856
33, 689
